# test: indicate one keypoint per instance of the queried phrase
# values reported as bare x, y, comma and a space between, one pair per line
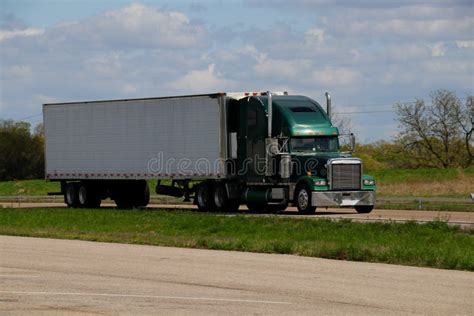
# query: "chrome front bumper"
342, 198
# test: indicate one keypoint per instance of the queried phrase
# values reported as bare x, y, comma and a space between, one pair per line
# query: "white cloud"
438, 49
465, 44
41, 98
28, 32
373, 53
199, 81
17, 71
435, 28
286, 69
107, 65
132, 27
330, 76
315, 35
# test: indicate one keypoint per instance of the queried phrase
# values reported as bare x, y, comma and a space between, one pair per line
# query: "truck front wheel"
303, 199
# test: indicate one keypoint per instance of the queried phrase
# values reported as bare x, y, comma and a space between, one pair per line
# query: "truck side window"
252, 117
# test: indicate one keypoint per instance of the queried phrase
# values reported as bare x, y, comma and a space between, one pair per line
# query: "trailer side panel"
179, 137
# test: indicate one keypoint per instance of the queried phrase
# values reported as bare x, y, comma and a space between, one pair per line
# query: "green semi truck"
266, 150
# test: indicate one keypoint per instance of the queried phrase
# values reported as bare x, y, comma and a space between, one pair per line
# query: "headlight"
369, 182
320, 182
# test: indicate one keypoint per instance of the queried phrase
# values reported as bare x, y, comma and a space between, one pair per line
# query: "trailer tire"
70, 195
364, 209
141, 196
204, 199
303, 199
87, 196
123, 202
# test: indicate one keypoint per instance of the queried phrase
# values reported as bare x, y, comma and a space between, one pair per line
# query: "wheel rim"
219, 198
303, 199
82, 195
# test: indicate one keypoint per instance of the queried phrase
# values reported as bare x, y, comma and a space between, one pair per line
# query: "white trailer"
154, 138
109, 148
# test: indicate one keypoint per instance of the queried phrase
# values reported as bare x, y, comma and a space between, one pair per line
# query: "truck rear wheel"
303, 199
364, 209
221, 200
70, 195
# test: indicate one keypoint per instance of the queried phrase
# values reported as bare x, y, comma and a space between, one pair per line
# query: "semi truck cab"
294, 139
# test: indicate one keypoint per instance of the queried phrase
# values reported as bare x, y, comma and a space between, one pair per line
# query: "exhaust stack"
270, 114
328, 104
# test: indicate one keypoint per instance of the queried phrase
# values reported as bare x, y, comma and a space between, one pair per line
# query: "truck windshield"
314, 144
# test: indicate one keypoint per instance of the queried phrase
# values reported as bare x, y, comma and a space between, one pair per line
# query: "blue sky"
369, 54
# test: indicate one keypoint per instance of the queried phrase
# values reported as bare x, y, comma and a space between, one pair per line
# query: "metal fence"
421, 203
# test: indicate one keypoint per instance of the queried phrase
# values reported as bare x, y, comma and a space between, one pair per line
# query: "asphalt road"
57, 277
464, 219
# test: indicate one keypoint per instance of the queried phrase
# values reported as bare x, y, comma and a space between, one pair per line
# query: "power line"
375, 105
29, 117
365, 112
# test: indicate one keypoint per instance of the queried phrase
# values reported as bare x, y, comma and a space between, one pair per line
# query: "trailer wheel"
303, 199
364, 209
70, 195
203, 197
221, 200
82, 196
141, 196
123, 202
87, 197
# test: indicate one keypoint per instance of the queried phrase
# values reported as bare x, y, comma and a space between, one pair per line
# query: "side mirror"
352, 142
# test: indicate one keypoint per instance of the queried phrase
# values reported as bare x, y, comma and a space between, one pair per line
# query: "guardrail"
60, 199
414, 202
425, 202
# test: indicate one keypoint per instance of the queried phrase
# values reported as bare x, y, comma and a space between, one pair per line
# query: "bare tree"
439, 134
343, 123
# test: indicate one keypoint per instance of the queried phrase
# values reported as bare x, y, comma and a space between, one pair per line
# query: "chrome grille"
346, 176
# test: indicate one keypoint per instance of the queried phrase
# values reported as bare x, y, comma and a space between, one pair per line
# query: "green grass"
395, 176
42, 187
425, 182
28, 187
431, 245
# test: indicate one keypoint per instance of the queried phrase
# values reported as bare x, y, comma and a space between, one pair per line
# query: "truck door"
252, 140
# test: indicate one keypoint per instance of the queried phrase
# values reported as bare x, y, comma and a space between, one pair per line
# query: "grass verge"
425, 182
430, 245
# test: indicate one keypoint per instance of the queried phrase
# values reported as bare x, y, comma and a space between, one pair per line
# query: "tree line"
433, 135
21, 151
